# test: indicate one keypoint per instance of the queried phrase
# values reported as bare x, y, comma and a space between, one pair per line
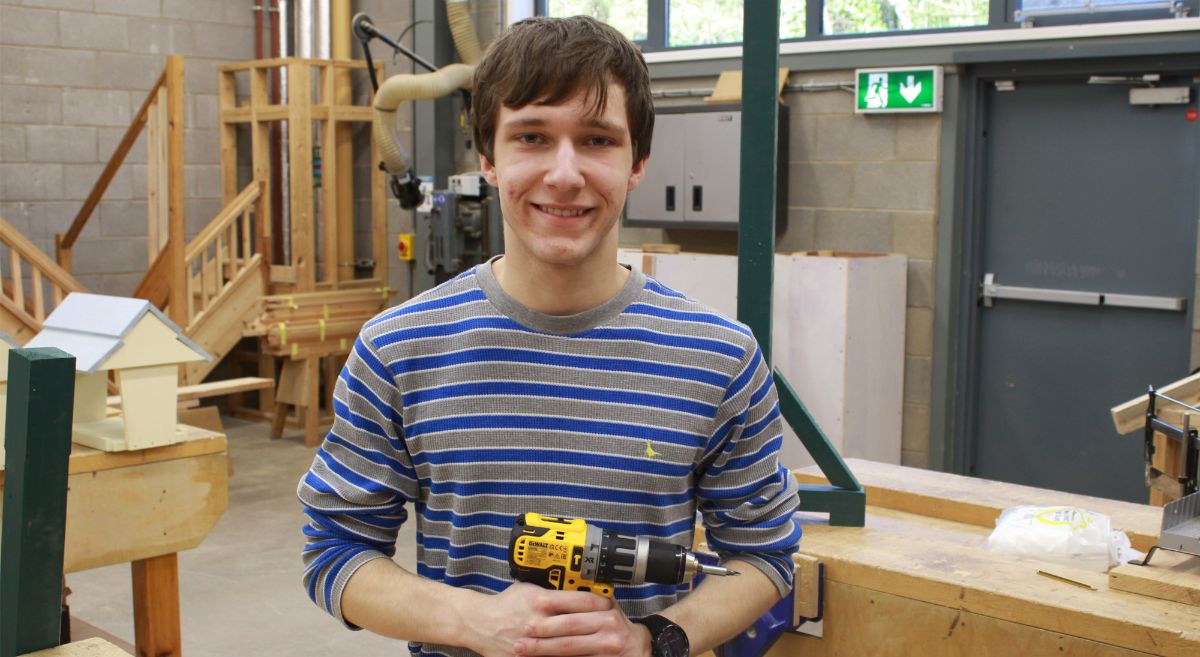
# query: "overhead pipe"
426, 86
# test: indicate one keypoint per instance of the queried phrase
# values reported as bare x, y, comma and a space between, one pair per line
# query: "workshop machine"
459, 227
1181, 517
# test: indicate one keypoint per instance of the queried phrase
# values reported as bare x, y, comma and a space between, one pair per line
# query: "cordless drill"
570, 555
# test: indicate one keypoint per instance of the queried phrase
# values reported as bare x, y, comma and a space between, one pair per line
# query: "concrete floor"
240, 590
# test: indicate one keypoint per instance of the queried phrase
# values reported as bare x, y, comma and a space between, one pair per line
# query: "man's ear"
638, 173
488, 169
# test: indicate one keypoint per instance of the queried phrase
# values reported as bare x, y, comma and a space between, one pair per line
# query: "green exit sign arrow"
891, 90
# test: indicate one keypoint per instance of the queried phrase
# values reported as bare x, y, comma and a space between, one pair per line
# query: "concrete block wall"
72, 75
855, 183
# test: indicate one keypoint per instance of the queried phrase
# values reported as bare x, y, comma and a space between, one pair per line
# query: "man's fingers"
573, 602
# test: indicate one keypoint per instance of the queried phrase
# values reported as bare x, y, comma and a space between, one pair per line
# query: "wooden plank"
381, 249
221, 327
300, 150
227, 100
943, 563
1170, 576
341, 174
196, 442
979, 501
156, 606
39, 296
122, 514
862, 621
37, 259
154, 135
94, 647
808, 586
228, 214
215, 388
1131, 415
175, 200
334, 218
18, 284
118, 156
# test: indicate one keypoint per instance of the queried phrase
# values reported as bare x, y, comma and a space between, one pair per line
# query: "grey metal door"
1082, 193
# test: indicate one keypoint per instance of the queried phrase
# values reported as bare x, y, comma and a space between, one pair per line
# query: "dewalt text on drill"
571, 555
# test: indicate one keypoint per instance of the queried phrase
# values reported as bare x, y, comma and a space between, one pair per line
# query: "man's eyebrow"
534, 122
524, 122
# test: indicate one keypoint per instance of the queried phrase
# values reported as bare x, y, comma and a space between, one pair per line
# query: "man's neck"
559, 290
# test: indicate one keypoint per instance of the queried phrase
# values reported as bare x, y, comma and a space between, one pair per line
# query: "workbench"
143, 507
917, 579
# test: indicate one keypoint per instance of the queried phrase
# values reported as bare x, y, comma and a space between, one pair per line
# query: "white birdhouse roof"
96, 329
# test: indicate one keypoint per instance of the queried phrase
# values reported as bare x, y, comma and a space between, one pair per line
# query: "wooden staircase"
34, 286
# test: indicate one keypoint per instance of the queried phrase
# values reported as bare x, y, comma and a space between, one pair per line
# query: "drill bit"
716, 570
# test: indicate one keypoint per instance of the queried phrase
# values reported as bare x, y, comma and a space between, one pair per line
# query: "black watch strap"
660, 645
655, 623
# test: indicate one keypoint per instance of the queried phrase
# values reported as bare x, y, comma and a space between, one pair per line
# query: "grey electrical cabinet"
693, 174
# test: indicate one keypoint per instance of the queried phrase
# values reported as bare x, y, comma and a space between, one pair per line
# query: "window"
710, 22
658, 25
863, 16
628, 16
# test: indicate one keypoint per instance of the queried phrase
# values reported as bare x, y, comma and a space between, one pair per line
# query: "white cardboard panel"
837, 334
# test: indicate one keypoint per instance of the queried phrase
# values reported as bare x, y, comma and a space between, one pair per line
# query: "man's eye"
599, 141
528, 138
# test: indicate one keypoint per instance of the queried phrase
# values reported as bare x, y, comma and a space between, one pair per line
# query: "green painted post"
844, 499
756, 204
37, 442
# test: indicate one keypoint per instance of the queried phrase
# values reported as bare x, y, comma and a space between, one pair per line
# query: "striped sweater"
471, 409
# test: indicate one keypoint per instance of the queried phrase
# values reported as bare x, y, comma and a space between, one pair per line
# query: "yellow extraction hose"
465, 41
402, 87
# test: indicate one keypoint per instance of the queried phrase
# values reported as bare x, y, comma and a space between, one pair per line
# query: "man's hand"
528, 621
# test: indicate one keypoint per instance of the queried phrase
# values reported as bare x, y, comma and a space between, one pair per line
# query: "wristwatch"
666, 638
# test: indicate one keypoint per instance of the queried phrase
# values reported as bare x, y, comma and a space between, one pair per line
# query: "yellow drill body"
571, 555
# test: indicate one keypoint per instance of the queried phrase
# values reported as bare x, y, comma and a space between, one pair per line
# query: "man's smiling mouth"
558, 212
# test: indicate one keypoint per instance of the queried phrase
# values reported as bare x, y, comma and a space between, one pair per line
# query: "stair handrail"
171, 79
33, 311
223, 234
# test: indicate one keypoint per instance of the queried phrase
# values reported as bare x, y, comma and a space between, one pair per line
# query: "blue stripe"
365, 354
444, 330
738, 384
552, 423
686, 316
532, 357
656, 286
505, 523
563, 457
362, 390
521, 389
666, 340
767, 450
469, 296
565, 491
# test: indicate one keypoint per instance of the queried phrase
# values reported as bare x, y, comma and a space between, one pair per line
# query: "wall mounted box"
837, 333
694, 171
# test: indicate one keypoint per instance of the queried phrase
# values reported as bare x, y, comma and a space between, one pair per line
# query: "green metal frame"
37, 442
844, 499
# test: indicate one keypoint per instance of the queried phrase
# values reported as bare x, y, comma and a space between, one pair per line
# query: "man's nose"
564, 170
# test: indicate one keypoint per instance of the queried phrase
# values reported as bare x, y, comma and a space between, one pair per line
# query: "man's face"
563, 174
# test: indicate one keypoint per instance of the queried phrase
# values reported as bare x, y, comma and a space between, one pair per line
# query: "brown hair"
547, 61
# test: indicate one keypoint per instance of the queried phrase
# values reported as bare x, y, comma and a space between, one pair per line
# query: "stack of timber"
317, 324
918, 579
1169, 456
311, 334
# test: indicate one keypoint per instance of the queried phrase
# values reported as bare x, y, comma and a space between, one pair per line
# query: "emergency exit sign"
892, 90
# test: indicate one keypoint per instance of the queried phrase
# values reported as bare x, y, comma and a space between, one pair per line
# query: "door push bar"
990, 290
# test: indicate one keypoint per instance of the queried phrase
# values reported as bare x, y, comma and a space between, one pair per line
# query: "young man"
550, 380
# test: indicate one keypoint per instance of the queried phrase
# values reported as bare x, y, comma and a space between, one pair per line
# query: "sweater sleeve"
354, 493
747, 498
